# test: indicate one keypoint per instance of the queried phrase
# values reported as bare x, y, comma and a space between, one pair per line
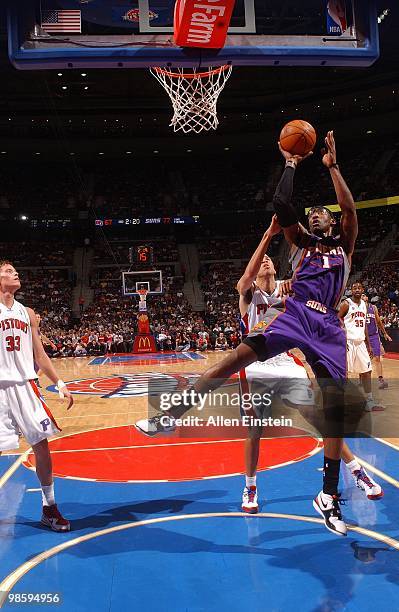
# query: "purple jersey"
321, 271
370, 321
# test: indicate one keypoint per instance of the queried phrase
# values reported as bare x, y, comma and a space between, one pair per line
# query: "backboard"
139, 33
151, 280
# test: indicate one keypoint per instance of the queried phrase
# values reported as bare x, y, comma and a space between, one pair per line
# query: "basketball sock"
331, 476
353, 466
48, 497
369, 396
250, 481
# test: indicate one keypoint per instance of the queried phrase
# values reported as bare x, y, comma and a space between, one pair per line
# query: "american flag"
61, 21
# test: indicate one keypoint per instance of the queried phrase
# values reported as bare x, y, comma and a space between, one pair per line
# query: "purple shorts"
375, 344
319, 335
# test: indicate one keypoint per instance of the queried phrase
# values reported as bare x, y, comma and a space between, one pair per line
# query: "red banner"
202, 23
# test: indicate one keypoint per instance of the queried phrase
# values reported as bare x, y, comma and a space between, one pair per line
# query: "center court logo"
130, 385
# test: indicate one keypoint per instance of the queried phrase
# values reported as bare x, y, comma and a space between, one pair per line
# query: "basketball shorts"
289, 381
23, 409
359, 360
376, 345
314, 329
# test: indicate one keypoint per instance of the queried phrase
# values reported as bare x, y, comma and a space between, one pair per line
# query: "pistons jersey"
321, 271
261, 311
16, 349
355, 321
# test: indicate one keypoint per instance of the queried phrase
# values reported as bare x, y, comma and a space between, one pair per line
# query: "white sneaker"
372, 406
328, 507
364, 482
250, 500
160, 424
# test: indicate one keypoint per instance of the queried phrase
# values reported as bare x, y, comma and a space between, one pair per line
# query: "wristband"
60, 383
290, 163
335, 165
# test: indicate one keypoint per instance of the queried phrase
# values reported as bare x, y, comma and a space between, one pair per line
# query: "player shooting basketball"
283, 374
21, 406
308, 320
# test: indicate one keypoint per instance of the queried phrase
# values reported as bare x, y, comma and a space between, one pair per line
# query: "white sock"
369, 396
353, 465
250, 481
48, 495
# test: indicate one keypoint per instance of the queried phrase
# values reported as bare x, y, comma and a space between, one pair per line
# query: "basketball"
298, 137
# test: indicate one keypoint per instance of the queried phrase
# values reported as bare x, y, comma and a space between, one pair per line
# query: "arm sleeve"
286, 213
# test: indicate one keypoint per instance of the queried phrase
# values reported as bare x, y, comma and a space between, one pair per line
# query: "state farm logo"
131, 385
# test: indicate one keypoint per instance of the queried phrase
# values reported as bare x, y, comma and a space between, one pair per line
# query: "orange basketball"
298, 137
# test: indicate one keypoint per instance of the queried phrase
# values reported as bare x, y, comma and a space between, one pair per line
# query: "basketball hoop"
194, 96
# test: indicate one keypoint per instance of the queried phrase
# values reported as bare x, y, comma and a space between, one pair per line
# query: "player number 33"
34, 598
13, 343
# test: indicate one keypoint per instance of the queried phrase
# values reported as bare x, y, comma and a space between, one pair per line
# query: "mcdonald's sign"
144, 343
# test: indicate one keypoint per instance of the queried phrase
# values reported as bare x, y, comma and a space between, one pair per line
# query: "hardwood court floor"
99, 405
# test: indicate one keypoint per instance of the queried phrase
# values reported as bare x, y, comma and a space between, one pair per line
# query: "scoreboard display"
143, 254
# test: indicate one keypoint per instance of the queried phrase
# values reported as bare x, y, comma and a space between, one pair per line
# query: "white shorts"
289, 381
358, 358
23, 409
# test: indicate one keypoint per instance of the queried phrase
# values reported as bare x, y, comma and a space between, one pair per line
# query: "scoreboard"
143, 254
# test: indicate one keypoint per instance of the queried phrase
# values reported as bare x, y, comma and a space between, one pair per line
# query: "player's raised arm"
252, 269
286, 214
349, 225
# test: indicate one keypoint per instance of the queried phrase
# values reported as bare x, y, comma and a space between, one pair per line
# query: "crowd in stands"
37, 253
192, 185
48, 292
381, 284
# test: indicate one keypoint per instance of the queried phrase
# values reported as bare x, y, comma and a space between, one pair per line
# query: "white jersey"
16, 349
258, 312
355, 321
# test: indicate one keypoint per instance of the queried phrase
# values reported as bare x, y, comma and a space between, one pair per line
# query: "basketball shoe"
53, 518
328, 506
160, 424
250, 500
364, 482
382, 383
372, 406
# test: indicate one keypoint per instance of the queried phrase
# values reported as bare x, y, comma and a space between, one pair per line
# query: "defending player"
309, 320
354, 312
283, 374
21, 405
374, 325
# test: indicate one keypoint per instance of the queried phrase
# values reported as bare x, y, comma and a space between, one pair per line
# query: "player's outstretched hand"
388, 337
329, 153
66, 394
296, 158
274, 227
285, 288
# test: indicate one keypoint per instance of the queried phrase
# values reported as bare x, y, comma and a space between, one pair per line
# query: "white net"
194, 96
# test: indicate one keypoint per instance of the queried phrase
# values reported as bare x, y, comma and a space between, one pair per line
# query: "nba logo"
336, 17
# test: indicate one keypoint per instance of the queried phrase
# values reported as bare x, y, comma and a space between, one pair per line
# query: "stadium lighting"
23, 217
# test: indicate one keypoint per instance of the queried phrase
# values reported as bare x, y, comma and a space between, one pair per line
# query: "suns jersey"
261, 311
16, 349
355, 320
370, 321
321, 271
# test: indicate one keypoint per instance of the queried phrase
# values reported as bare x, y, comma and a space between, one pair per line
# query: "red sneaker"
53, 518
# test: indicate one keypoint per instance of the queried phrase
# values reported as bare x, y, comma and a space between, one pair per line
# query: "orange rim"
190, 75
